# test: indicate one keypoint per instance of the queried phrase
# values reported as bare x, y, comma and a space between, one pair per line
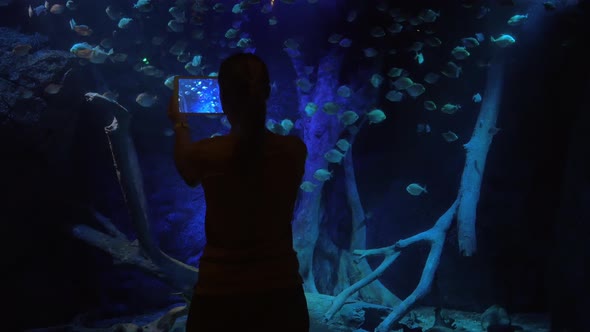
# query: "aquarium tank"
446, 184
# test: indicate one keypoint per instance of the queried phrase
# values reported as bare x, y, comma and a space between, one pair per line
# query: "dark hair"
244, 87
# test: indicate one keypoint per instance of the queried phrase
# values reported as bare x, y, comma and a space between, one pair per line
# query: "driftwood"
144, 253
477, 151
466, 203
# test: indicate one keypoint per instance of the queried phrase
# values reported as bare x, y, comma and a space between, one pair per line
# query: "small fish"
376, 80
345, 42
450, 108
423, 128
549, 5
450, 136
377, 32
322, 174
476, 98
57, 9
145, 99
415, 189
431, 78
451, 70
334, 156
482, 12
351, 16
347, 118
344, 91
343, 145
470, 42
376, 116
124, 22
370, 52
415, 90
311, 108
403, 83
503, 40
460, 53
52, 88
429, 105
419, 58
307, 186
394, 96
517, 19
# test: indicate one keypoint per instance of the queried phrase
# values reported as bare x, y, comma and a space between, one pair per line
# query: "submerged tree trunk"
320, 133
477, 151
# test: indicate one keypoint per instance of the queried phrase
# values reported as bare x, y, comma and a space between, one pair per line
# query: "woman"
249, 274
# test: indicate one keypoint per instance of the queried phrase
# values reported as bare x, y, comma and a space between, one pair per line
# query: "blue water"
402, 167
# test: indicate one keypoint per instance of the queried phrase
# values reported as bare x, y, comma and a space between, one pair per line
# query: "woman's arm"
186, 155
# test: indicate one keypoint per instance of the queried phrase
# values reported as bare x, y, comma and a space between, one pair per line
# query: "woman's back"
248, 221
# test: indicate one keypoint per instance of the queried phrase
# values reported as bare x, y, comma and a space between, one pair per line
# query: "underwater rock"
21, 90
494, 316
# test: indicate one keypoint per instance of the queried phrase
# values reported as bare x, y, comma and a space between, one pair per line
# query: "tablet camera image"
199, 96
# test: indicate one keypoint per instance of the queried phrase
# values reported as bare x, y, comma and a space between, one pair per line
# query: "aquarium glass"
440, 189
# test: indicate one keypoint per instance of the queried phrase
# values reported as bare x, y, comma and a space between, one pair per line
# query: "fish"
124, 22
370, 52
394, 96
482, 12
376, 116
322, 174
80, 29
460, 53
334, 156
470, 42
143, 6
431, 78
450, 108
415, 189
517, 19
307, 186
345, 42
450, 136
145, 99
403, 83
503, 40
330, 108
429, 105
451, 70
377, 32
311, 108
344, 91
415, 90
476, 98
347, 118
423, 128
287, 125
343, 145
52, 88
419, 57
113, 13
57, 9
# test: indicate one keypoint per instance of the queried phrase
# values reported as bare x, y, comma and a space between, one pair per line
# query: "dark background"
533, 215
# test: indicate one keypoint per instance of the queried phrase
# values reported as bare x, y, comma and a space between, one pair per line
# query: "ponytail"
245, 87
249, 149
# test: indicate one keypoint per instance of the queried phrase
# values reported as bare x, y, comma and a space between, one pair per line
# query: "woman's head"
244, 86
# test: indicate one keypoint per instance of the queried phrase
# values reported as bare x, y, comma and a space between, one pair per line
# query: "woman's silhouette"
249, 273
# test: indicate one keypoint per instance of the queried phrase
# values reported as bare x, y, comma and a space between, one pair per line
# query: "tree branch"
435, 236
